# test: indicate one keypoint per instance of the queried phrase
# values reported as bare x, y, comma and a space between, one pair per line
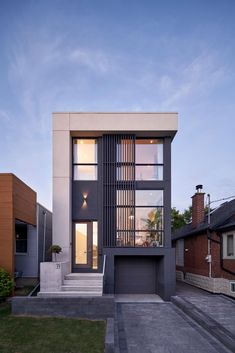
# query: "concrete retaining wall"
214, 285
84, 308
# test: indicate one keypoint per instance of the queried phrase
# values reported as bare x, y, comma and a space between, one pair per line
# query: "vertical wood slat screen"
118, 190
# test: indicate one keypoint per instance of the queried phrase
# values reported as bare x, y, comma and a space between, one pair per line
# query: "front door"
85, 245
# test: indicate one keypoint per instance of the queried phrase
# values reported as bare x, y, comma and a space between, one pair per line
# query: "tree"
177, 219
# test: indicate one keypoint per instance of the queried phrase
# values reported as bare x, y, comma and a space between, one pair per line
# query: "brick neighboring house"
205, 253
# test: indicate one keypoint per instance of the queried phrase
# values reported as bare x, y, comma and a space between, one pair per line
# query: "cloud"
97, 61
197, 78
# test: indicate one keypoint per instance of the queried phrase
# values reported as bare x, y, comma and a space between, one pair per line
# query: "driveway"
164, 328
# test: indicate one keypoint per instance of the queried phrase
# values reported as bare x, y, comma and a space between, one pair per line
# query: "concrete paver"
161, 328
217, 307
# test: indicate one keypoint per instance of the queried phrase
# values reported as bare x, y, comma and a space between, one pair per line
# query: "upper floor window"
149, 159
229, 245
85, 159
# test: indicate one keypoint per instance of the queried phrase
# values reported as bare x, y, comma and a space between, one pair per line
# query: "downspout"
44, 235
209, 259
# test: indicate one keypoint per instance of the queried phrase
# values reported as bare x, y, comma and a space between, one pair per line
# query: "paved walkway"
217, 307
164, 328
161, 328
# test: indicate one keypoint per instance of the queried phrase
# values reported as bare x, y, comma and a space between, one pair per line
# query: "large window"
85, 159
21, 238
149, 159
139, 218
229, 245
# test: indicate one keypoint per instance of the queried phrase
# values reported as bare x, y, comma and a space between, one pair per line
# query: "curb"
213, 327
109, 336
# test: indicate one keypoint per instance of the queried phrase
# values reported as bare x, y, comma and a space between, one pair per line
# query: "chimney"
198, 212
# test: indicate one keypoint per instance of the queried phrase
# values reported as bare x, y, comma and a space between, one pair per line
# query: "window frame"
84, 164
225, 246
150, 164
17, 240
132, 232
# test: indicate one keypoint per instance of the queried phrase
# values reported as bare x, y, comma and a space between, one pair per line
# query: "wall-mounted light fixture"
84, 195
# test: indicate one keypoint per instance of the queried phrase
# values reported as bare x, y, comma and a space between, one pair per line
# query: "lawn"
49, 335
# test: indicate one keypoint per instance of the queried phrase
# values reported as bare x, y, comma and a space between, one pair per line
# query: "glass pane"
147, 218
85, 172
95, 247
149, 151
149, 198
148, 172
125, 150
81, 244
125, 218
125, 197
126, 173
147, 239
85, 151
230, 245
125, 238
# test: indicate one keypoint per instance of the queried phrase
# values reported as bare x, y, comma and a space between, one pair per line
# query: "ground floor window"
229, 245
21, 238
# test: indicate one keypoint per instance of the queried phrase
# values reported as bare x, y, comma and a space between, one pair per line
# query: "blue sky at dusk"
123, 55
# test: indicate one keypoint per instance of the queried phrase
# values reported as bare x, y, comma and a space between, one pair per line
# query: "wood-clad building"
17, 203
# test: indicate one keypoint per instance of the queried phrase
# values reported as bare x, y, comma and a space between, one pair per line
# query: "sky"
122, 55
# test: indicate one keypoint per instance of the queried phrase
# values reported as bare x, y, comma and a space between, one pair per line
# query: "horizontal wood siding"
17, 201
6, 222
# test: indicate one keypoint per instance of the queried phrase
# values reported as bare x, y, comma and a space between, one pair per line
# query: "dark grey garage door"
135, 275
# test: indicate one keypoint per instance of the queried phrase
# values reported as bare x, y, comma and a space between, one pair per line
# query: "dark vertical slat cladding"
118, 190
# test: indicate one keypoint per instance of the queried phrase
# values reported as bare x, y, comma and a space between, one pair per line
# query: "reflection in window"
95, 246
85, 159
85, 172
149, 197
148, 151
149, 172
149, 239
149, 219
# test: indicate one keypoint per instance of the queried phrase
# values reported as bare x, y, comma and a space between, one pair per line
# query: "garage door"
135, 275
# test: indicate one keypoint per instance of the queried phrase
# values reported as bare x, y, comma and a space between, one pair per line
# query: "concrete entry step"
70, 293
84, 282
84, 288
84, 276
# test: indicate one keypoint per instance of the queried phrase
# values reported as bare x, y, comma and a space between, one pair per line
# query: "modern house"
25, 229
205, 248
112, 204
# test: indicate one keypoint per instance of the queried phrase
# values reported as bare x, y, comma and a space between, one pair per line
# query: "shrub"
6, 283
55, 249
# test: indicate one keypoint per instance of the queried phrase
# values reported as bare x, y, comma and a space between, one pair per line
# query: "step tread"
70, 293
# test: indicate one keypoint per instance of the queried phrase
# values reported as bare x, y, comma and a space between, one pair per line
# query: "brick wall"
195, 251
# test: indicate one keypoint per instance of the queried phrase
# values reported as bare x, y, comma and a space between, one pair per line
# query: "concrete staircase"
78, 285
83, 284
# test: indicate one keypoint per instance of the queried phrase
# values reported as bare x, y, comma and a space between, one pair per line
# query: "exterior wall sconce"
84, 200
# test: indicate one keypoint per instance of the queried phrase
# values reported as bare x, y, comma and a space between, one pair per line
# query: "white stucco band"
116, 122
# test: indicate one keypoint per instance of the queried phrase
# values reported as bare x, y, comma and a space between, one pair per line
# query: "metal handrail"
104, 264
